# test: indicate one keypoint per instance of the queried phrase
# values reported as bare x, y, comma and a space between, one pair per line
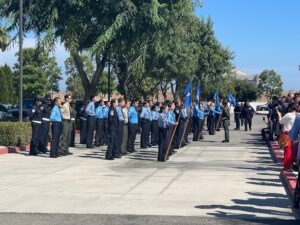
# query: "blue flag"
216, 99
231, 99
198, 92
188, 95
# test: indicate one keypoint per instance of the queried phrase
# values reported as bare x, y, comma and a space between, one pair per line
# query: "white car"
262, 110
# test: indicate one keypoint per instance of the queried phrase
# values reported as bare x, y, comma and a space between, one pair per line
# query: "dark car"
13, 114
3, 111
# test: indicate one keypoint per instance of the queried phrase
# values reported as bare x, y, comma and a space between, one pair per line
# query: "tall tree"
7, 85
3, 39
270, 83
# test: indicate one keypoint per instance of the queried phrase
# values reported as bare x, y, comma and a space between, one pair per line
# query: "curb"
3, 150
289, 178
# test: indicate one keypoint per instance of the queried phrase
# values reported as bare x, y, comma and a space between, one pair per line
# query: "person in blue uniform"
56, 127
111, 152
201, 115
196, 122
99, 124
154, 125
91, 117
121, 123
171, 120
146, 118
132, 125
36, 122
212, 118
162, 134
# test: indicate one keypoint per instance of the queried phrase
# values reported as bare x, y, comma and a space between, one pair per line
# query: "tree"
40, 73
84, 26
245, 91
7, 85
74, 84
3, 39
270, 84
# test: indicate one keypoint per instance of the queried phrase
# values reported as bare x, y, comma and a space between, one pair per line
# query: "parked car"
13, 114
3, 111
262, 110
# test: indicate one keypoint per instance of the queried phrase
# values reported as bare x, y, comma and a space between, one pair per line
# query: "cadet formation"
116, 123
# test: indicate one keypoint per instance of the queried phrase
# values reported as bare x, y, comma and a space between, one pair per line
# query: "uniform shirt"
154, 115
55, 115
162, 121
112, 117
120, 114
294, 133
132, 115
125, 114
201, 115
146, 114
65, 111
45, 111
213, 111
90, 109
170, 117
196, 111
99, 112
36, 113
183, 113
105, 112
73, 113
226, 113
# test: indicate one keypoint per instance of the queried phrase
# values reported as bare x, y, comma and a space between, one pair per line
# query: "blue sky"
263, 34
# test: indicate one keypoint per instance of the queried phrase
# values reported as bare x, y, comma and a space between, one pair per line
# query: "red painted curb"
278, 156
14, 150
3, 151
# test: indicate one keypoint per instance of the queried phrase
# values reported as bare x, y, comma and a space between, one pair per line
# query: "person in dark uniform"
162, 134
237, 116
45, 126
196, 122
73, 113
56, 128
225, 116
180, 127
111, 152
154, 125
36, 122
91, 118
146, 125
133, 125
105, 122
212, 118
83, 120
248, 113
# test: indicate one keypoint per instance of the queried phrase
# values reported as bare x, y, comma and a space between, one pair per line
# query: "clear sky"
263, 34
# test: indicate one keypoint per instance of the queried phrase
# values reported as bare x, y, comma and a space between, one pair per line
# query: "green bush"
15, 133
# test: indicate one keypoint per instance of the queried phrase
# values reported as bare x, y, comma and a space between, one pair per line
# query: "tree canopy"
270, 83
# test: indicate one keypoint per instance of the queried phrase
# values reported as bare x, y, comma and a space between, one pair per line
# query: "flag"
188, 95
216, 98
231, 99
198, 93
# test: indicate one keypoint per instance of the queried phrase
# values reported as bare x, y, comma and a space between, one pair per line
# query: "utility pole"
21, 60
109, 77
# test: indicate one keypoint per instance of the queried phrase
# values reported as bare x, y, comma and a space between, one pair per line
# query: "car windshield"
27, 104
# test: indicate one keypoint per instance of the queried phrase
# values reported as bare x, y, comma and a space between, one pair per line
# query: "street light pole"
109, 76
21, 60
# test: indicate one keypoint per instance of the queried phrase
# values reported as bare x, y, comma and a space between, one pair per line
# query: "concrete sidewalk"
205, 179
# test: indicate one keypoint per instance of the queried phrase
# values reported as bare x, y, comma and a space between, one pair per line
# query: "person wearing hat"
146, 118
133, 120
112, 152
66, 130
36, 122
45, 126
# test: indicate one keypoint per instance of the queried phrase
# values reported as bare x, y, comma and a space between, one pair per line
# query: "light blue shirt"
132, 115
183, 113
120, 113
105, 112
294, 133
196, 111
201, 115
100, 112
170, 117
90, 109
162, 120
55, 115
155, 115
213, 111
146, 114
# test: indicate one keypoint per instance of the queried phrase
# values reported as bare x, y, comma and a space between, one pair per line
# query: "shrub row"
15, 133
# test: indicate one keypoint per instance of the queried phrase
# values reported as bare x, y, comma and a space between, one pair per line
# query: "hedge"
15, 133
